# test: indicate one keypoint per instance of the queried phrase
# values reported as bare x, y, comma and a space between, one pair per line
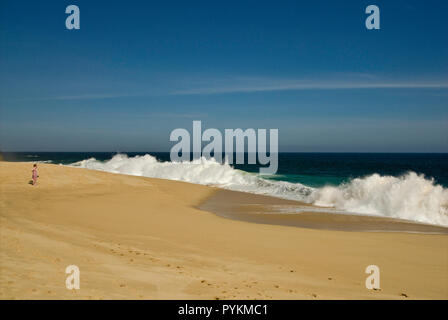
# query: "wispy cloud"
264, 85
171, 115
211, 85
73, 97
87, 96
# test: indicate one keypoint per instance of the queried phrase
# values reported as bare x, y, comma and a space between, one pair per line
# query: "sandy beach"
143, 238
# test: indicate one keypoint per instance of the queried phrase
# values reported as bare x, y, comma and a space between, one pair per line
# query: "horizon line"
121, 152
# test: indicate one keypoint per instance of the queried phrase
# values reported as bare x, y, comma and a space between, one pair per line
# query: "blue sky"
136, 70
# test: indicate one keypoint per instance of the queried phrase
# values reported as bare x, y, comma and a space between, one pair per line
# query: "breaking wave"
410, 196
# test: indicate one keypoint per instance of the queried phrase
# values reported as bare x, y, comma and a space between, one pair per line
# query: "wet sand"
275, 211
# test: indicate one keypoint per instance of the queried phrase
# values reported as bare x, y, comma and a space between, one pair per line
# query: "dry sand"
141, 238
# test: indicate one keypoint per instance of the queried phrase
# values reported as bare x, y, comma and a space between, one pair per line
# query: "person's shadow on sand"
31, 182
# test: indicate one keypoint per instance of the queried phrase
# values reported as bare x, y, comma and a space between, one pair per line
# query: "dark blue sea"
311, 169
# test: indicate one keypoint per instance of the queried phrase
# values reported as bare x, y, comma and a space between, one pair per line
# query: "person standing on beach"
35, 175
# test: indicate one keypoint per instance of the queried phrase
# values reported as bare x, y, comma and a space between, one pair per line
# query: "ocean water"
406, 186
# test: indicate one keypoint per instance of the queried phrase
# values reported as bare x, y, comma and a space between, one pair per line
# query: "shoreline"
259, 208
143, 238
265, 209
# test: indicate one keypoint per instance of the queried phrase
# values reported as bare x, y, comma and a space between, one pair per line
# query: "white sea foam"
411, 196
